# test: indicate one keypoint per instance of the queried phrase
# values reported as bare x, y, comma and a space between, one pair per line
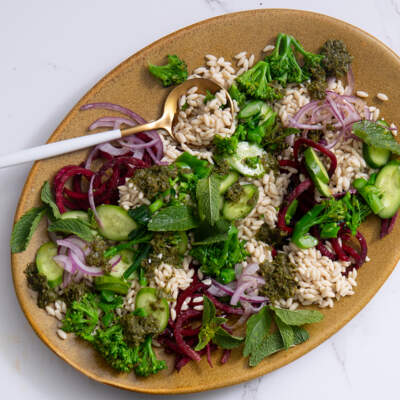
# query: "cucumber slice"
251, 109
238, 160
237, 210
314, 166
228, 181
126, 261
111, 283
375, 157
76, 214
147, 299
388, 182
116, 224
322, 187
47, 266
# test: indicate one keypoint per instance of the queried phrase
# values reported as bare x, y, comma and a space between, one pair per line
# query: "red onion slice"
86, 269
73, 247
64, 262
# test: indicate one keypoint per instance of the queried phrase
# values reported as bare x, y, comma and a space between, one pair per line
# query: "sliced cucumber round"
228, 181
314, 166
322, 187
111, 283
47, 266
374, 157
239, 209
125, 262
76, 214
388, 182
238, 160
147, 299
116, 224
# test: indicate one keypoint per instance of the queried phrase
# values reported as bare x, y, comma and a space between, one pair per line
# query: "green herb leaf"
173, 218
298, 317
376, 135
25, 228
73, 226
209, 199
47, 197
210, 323
225, 340
220, 237
140, 214
258, 326
274, 343
286, 332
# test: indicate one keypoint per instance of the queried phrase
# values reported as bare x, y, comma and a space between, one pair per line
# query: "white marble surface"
52, 52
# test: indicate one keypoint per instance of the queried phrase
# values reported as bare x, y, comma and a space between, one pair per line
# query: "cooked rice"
320, 280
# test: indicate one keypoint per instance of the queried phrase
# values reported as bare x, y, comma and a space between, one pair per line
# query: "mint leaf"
298, 317
72, 226
274, 343
209, 311
173, 218
376, 135
286, 332
47, 197
270, 345
257, 327
225, 340
210, 323
209, 199
220, 237
25, 228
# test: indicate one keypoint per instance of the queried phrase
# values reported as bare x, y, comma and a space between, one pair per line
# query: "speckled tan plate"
376, 69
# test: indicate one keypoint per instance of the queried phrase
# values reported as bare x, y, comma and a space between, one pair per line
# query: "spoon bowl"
165, 122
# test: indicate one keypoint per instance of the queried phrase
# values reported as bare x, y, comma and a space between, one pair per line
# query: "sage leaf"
25, 228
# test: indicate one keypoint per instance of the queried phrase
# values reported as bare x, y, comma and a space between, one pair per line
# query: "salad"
219, 240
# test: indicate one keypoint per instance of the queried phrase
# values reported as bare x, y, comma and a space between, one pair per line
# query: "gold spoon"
165, 122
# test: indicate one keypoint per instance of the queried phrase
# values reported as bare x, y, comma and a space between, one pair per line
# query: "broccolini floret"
237, 95
284, 66
173, 73
147, 361
110, 343
218, 256
255, 83
82, 317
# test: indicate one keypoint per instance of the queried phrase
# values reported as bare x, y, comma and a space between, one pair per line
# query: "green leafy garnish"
173, 73
298, 317
376, 135
173, 218
25, 228
261, 342
209, 96
274, 343
73, 226
209, 199
211, 329
47, 197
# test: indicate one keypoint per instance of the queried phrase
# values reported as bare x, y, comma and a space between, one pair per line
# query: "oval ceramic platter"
376, 69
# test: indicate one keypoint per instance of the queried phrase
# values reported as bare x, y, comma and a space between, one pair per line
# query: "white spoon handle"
57, 148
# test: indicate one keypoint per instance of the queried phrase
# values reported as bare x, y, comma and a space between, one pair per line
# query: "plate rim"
98, 85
